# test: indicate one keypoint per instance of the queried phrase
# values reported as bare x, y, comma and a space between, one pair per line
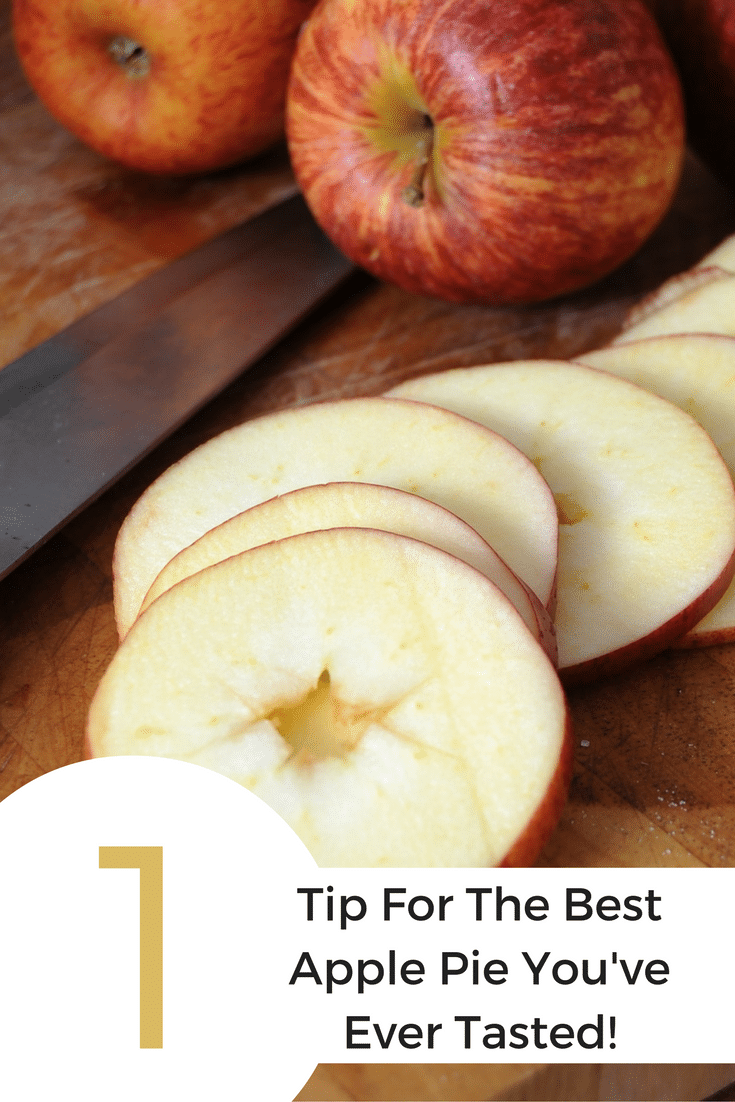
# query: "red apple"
165, 86
701, 36
485, 150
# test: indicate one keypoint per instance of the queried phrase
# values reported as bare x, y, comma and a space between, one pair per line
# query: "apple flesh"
705, 305
491, 151
162, 87
357, 505
381, 695
673, 290
646, 503
722, 256
696, 372
716, 265
410, 446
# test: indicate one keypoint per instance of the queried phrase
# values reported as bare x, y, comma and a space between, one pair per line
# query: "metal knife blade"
41, 365
80, 410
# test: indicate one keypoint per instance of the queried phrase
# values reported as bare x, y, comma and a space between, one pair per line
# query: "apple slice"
646, 504
434, 453
671, 290
722, 256
381, 695
696, 372
707, 307
357, 505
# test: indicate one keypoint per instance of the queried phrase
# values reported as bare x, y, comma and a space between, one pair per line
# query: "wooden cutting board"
654, 781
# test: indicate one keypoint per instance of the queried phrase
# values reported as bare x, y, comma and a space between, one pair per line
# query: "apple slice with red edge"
434, 453
722, 256
357, 505
706, 306
381, 695
696, 372
671, 290
646, 503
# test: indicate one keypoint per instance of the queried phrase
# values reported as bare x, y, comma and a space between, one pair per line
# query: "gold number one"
149, 859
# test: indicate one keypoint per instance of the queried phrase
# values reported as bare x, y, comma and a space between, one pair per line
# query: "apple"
162, 86
705, 303
381, 695
489, 151
357, 505
646, 503
439, 455
701, 37
696, 372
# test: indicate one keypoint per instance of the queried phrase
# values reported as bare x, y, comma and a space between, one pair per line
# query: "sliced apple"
383, 696
447, 459
671, 290
722, 256
705, 307
718, 264
357, 505
697, 372
646, 504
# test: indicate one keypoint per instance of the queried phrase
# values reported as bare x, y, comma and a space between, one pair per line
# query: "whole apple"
491, 151
701, 37
163, 86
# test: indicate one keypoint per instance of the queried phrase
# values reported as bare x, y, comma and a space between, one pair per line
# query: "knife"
83, 407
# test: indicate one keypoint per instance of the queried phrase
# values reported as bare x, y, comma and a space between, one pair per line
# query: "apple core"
321, 726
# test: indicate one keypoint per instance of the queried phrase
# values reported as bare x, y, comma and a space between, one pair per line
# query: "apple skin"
553, 133
701, 37
208, 90
642, 650
528, 846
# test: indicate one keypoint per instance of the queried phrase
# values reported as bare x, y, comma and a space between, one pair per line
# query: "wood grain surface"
654, 781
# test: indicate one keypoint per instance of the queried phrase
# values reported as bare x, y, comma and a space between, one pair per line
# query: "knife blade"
80, 410
46, 362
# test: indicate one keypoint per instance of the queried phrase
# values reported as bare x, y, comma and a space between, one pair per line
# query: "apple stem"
414, 193
130, 56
